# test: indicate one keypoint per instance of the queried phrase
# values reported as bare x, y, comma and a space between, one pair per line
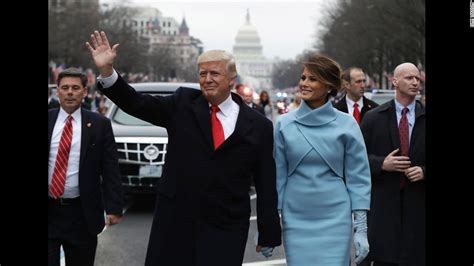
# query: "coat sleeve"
375, 161
268, 221
357, 170
156, 110
112, 183
281, 164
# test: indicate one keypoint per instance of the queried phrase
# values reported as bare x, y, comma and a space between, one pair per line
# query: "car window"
123, 118
120, 117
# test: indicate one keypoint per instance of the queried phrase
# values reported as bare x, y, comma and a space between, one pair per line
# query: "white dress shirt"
350, 105
228, 113
71, 189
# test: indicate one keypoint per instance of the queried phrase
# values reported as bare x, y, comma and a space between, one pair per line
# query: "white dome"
247, 38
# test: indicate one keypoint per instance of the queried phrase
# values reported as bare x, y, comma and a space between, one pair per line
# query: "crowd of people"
328, 176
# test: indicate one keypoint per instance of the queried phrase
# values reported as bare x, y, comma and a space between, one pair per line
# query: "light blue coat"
315, 150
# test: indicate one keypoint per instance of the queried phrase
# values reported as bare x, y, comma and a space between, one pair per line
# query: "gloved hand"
360, 236
267, 251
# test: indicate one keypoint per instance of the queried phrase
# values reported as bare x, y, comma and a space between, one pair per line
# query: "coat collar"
201, 110
315, 117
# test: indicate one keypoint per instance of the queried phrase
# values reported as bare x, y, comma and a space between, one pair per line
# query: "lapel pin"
89, 124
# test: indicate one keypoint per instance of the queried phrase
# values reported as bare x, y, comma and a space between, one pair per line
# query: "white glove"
267, 251
360, 236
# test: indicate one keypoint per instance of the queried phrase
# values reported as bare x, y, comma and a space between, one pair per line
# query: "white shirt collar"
350, 102
76, 115
226, 106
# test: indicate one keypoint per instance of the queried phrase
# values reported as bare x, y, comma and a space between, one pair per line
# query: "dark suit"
203, 206
368, 105
78, 223
396, 219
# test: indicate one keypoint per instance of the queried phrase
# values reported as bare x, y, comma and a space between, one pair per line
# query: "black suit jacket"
258, 108
396, 233
368, 105
100, 185
214, 183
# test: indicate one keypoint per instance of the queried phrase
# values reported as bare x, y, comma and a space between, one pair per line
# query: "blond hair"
219, 55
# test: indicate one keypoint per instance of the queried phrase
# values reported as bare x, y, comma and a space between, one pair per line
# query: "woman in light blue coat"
323, 174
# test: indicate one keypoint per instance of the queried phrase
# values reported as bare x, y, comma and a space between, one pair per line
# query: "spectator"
266, 104
52, 103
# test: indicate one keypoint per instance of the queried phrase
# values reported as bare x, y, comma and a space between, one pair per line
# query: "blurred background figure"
266, 104
295, 103
239, 89
248, 99
92, 100
423, 99
52, 103
340, 93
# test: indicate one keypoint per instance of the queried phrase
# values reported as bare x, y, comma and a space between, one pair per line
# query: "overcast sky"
285, 28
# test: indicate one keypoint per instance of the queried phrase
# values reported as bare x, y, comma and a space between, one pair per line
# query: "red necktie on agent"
60, 167
404, 140
217, 130
356, 113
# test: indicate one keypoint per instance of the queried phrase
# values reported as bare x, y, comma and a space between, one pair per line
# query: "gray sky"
285, 28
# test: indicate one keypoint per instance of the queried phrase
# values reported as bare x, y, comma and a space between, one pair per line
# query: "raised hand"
101, 52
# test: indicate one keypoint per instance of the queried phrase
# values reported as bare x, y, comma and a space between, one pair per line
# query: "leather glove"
360, 236
267, 251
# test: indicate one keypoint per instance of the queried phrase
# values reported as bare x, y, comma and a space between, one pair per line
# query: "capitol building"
253, 68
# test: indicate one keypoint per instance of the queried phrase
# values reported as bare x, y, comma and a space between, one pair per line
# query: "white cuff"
108, 81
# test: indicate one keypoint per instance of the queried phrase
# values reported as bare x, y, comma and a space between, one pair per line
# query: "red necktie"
217, 130
356, 113
60, 167
404, 141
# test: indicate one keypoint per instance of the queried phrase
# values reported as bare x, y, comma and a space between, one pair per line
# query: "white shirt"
350, 105
71, 189
228, 113
229, 110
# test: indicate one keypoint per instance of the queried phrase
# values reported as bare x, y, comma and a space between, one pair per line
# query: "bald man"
394, 134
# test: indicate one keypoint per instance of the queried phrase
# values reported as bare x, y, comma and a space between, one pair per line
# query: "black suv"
141, 145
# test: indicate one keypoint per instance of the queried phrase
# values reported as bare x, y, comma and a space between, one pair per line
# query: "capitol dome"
247, 40
253, 68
